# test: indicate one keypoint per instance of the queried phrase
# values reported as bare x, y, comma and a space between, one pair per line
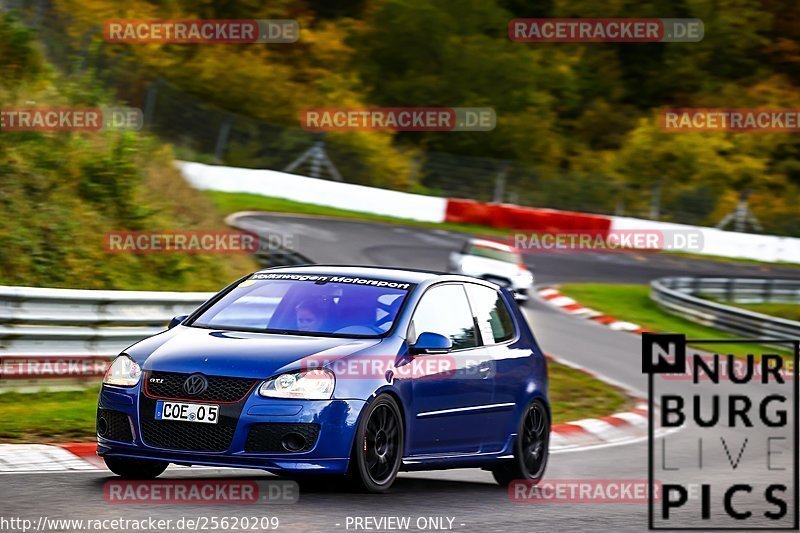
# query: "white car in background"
496, 262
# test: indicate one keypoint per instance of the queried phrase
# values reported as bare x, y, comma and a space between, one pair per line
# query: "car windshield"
303, 304
494, 253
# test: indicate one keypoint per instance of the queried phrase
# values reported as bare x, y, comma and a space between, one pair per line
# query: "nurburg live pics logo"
734, 434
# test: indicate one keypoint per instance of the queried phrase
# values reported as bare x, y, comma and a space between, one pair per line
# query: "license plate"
187, 412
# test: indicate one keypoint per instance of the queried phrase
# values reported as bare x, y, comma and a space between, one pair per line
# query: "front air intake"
279, 437
114, 425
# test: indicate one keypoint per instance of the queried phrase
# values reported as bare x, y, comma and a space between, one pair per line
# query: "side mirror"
177, 320
430, 343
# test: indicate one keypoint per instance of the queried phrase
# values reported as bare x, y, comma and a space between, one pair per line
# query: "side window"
494, 318
445, 310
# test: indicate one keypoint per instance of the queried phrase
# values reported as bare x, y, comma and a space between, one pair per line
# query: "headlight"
124, 372
314, 384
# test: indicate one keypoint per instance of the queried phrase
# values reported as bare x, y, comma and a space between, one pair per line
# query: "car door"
451, 394
510, 365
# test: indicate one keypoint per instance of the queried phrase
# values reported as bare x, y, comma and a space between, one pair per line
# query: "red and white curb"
618, 428
40, 458
570, 306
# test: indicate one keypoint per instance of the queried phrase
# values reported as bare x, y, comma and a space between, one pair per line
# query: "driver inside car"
311, 315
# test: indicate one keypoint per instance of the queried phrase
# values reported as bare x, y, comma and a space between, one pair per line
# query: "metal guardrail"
72, 334
39, 320
47, 321
742, 290
683, 296
65, 338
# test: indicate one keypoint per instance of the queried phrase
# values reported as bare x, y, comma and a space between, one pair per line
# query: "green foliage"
584, 116
61, 191
18, 59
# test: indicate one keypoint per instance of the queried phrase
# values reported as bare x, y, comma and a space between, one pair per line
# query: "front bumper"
330, 453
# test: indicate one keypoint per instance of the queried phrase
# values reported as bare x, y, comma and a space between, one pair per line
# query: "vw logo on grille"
195, 384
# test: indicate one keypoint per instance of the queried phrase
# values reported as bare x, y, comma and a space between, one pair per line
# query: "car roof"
408, 275
493, 244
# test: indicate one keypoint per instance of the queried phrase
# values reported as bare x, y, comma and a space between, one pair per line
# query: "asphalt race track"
468, 496
339, 241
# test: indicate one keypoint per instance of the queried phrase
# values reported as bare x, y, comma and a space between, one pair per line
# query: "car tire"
531, 448
378, 446
135, 468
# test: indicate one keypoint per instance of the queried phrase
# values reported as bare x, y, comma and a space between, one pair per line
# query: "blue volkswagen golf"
350, 371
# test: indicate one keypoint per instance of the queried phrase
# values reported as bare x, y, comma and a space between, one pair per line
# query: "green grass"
66, 416
69, 416
227, 203
780, 310
632, 303
575, 395
735, 260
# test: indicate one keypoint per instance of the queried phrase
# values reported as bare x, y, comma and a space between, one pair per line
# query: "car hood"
239, 354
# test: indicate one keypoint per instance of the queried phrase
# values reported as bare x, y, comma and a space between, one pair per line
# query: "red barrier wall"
524, 218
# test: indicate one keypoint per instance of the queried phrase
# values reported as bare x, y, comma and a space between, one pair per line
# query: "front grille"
189, 436
114, 425
268, 437
220, 388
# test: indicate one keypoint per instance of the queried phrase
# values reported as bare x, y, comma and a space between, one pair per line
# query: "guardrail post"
222, 138
151, 96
